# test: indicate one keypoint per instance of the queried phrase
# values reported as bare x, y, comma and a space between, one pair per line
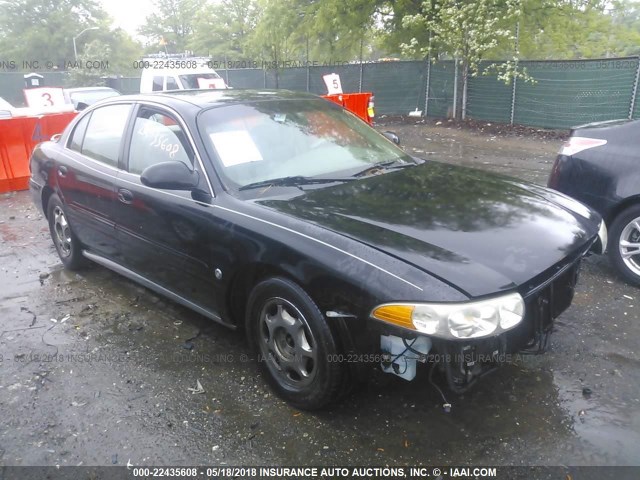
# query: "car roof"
214, 98
88, 89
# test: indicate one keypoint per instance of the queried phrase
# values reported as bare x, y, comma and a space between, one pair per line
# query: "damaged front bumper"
464, 361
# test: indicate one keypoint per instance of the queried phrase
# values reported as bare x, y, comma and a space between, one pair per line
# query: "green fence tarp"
567, 94
564, 93
488, 98
441, 87
399, 87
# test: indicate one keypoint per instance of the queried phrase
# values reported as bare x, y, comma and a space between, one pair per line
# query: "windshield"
285, 138
190, 81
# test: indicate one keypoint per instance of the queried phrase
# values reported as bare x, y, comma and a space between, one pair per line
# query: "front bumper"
465, 361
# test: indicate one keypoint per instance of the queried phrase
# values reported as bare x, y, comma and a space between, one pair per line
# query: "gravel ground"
95, 370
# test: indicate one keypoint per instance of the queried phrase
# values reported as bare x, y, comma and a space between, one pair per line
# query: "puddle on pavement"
602, 421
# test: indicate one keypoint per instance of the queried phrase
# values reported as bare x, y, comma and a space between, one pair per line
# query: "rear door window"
104, 133
75, 142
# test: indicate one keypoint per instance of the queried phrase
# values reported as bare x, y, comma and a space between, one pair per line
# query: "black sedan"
288, 216
600, 166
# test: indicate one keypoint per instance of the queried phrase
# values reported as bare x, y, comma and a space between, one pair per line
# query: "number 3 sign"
44, 97
332, 81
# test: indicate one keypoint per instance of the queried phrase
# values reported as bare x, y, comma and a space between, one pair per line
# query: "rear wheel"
294, 344
67, 244
624, 249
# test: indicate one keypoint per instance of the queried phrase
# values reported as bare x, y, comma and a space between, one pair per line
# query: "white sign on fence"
332, 81
44, 97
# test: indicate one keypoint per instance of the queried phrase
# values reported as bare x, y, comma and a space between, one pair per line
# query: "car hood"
477, 231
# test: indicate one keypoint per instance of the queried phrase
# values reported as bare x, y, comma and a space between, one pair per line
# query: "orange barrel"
356, 103
18, 137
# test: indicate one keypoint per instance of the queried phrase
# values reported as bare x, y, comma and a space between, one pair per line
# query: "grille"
545, 301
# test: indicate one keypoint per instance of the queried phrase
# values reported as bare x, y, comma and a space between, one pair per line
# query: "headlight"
456, 320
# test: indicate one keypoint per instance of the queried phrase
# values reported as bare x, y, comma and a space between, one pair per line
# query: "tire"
294, 344
624, 246
66, 243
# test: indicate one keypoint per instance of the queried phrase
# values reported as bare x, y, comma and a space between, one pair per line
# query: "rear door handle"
62, 171
125, 196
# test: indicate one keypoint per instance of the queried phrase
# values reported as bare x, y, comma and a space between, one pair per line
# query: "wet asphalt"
95, 370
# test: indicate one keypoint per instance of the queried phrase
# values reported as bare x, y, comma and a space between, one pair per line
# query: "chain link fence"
562, 94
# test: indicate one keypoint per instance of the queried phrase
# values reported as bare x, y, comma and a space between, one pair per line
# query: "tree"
396, 33
222, 30
123, 51
43, 30
81, 76
466, 31
339, 30
625, 18
461, 29
579, 29
274, 39
117, 53
171, 26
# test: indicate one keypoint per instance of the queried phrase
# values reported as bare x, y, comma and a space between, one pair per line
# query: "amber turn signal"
400, 315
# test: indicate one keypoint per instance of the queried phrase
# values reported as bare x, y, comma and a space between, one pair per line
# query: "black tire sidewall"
75, 260
326, 385
618, 225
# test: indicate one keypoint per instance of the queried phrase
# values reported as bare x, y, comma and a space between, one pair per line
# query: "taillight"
577, 144
370, 107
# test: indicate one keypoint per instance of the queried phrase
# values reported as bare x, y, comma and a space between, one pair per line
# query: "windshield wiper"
388, 165
293, 181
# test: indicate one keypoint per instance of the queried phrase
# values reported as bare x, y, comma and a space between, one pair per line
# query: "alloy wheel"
62, 232
629, 245
287, 343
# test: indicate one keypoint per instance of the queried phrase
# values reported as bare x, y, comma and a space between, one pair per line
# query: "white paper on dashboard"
235, 147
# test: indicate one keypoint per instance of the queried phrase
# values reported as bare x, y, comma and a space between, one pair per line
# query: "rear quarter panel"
602, 177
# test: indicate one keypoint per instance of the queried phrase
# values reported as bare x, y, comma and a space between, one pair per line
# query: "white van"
162, 79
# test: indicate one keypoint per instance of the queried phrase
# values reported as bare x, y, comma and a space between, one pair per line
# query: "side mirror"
170, 176
392, 136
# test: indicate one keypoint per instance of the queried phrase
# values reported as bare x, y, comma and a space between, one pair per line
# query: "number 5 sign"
332, 81
44, 97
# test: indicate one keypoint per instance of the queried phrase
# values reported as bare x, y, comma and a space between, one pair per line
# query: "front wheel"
295, 345
624, 249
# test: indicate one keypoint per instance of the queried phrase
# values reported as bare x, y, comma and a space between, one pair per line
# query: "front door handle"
62, 171
125, 196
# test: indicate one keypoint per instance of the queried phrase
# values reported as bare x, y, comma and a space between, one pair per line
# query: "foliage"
578, 29
335, 29
328, 30
274, 39
222, 30
43, 31
89, 77
171, 26
464, 30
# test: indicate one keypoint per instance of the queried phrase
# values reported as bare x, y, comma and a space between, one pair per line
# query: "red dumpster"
360, 104
18, 137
